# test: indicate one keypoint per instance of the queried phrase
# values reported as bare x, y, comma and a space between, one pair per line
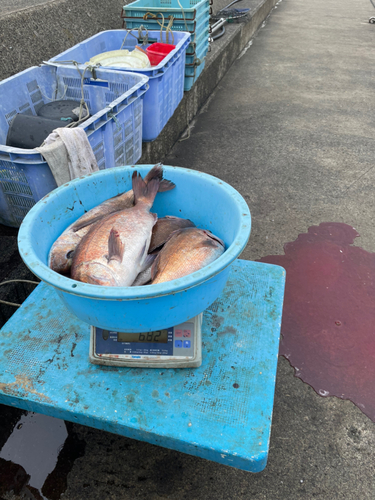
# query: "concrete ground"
11, 6
291, 127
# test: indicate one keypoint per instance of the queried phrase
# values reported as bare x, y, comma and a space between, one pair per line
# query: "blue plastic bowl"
209, 202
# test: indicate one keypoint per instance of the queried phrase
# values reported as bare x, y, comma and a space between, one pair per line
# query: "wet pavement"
332, 281
291, 127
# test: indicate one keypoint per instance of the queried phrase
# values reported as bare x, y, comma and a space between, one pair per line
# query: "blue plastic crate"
195, 28
191, 9
166, 80
190, 69
201, 50
190, 80
204, 34
114, 129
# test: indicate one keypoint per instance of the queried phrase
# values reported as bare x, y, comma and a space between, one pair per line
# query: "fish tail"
157, 171
146, 192
166, 185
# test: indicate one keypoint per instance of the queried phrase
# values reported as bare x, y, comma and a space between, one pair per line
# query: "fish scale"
187, 250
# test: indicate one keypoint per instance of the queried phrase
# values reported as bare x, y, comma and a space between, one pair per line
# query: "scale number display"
159, 336
178, 346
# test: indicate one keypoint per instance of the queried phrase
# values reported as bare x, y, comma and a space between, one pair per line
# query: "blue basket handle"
142, 90
196, 63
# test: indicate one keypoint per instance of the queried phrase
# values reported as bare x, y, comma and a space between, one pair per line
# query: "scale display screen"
160, 336
177, 346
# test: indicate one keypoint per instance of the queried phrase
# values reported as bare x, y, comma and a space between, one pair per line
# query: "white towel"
68, 154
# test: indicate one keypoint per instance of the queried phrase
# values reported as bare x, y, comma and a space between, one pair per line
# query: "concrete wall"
38, 33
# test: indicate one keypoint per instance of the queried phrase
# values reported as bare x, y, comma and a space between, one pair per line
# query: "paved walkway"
291, 126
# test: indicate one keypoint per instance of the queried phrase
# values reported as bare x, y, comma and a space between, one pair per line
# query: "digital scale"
175, 347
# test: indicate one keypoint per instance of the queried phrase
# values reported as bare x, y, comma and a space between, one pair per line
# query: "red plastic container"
157, 51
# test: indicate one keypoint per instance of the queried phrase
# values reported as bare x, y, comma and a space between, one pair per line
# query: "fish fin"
143, 278
115, 246
166, 185
155, 267
162, 243
213, 237
145, 192
148, 261
183, 222
78, 226
209, 243
143, 251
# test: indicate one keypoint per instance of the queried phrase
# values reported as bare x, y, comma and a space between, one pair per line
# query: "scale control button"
178, 333
187, 333
178, 343
187, 343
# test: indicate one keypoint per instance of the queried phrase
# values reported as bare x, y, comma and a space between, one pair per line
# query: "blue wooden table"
220, 411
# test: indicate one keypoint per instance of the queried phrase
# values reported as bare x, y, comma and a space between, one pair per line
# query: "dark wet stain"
167, 474
235, 385
215, 322
74, 345
76, 398
31, 493
213, 307
13, 477
18, 479
229, 329
155, 393
56, 482
9, 418
329, 314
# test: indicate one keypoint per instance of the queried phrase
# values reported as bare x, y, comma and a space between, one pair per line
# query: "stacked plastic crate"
114, 129
166, 80
175, 15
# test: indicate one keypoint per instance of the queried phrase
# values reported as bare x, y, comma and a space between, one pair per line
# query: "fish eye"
69, 255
